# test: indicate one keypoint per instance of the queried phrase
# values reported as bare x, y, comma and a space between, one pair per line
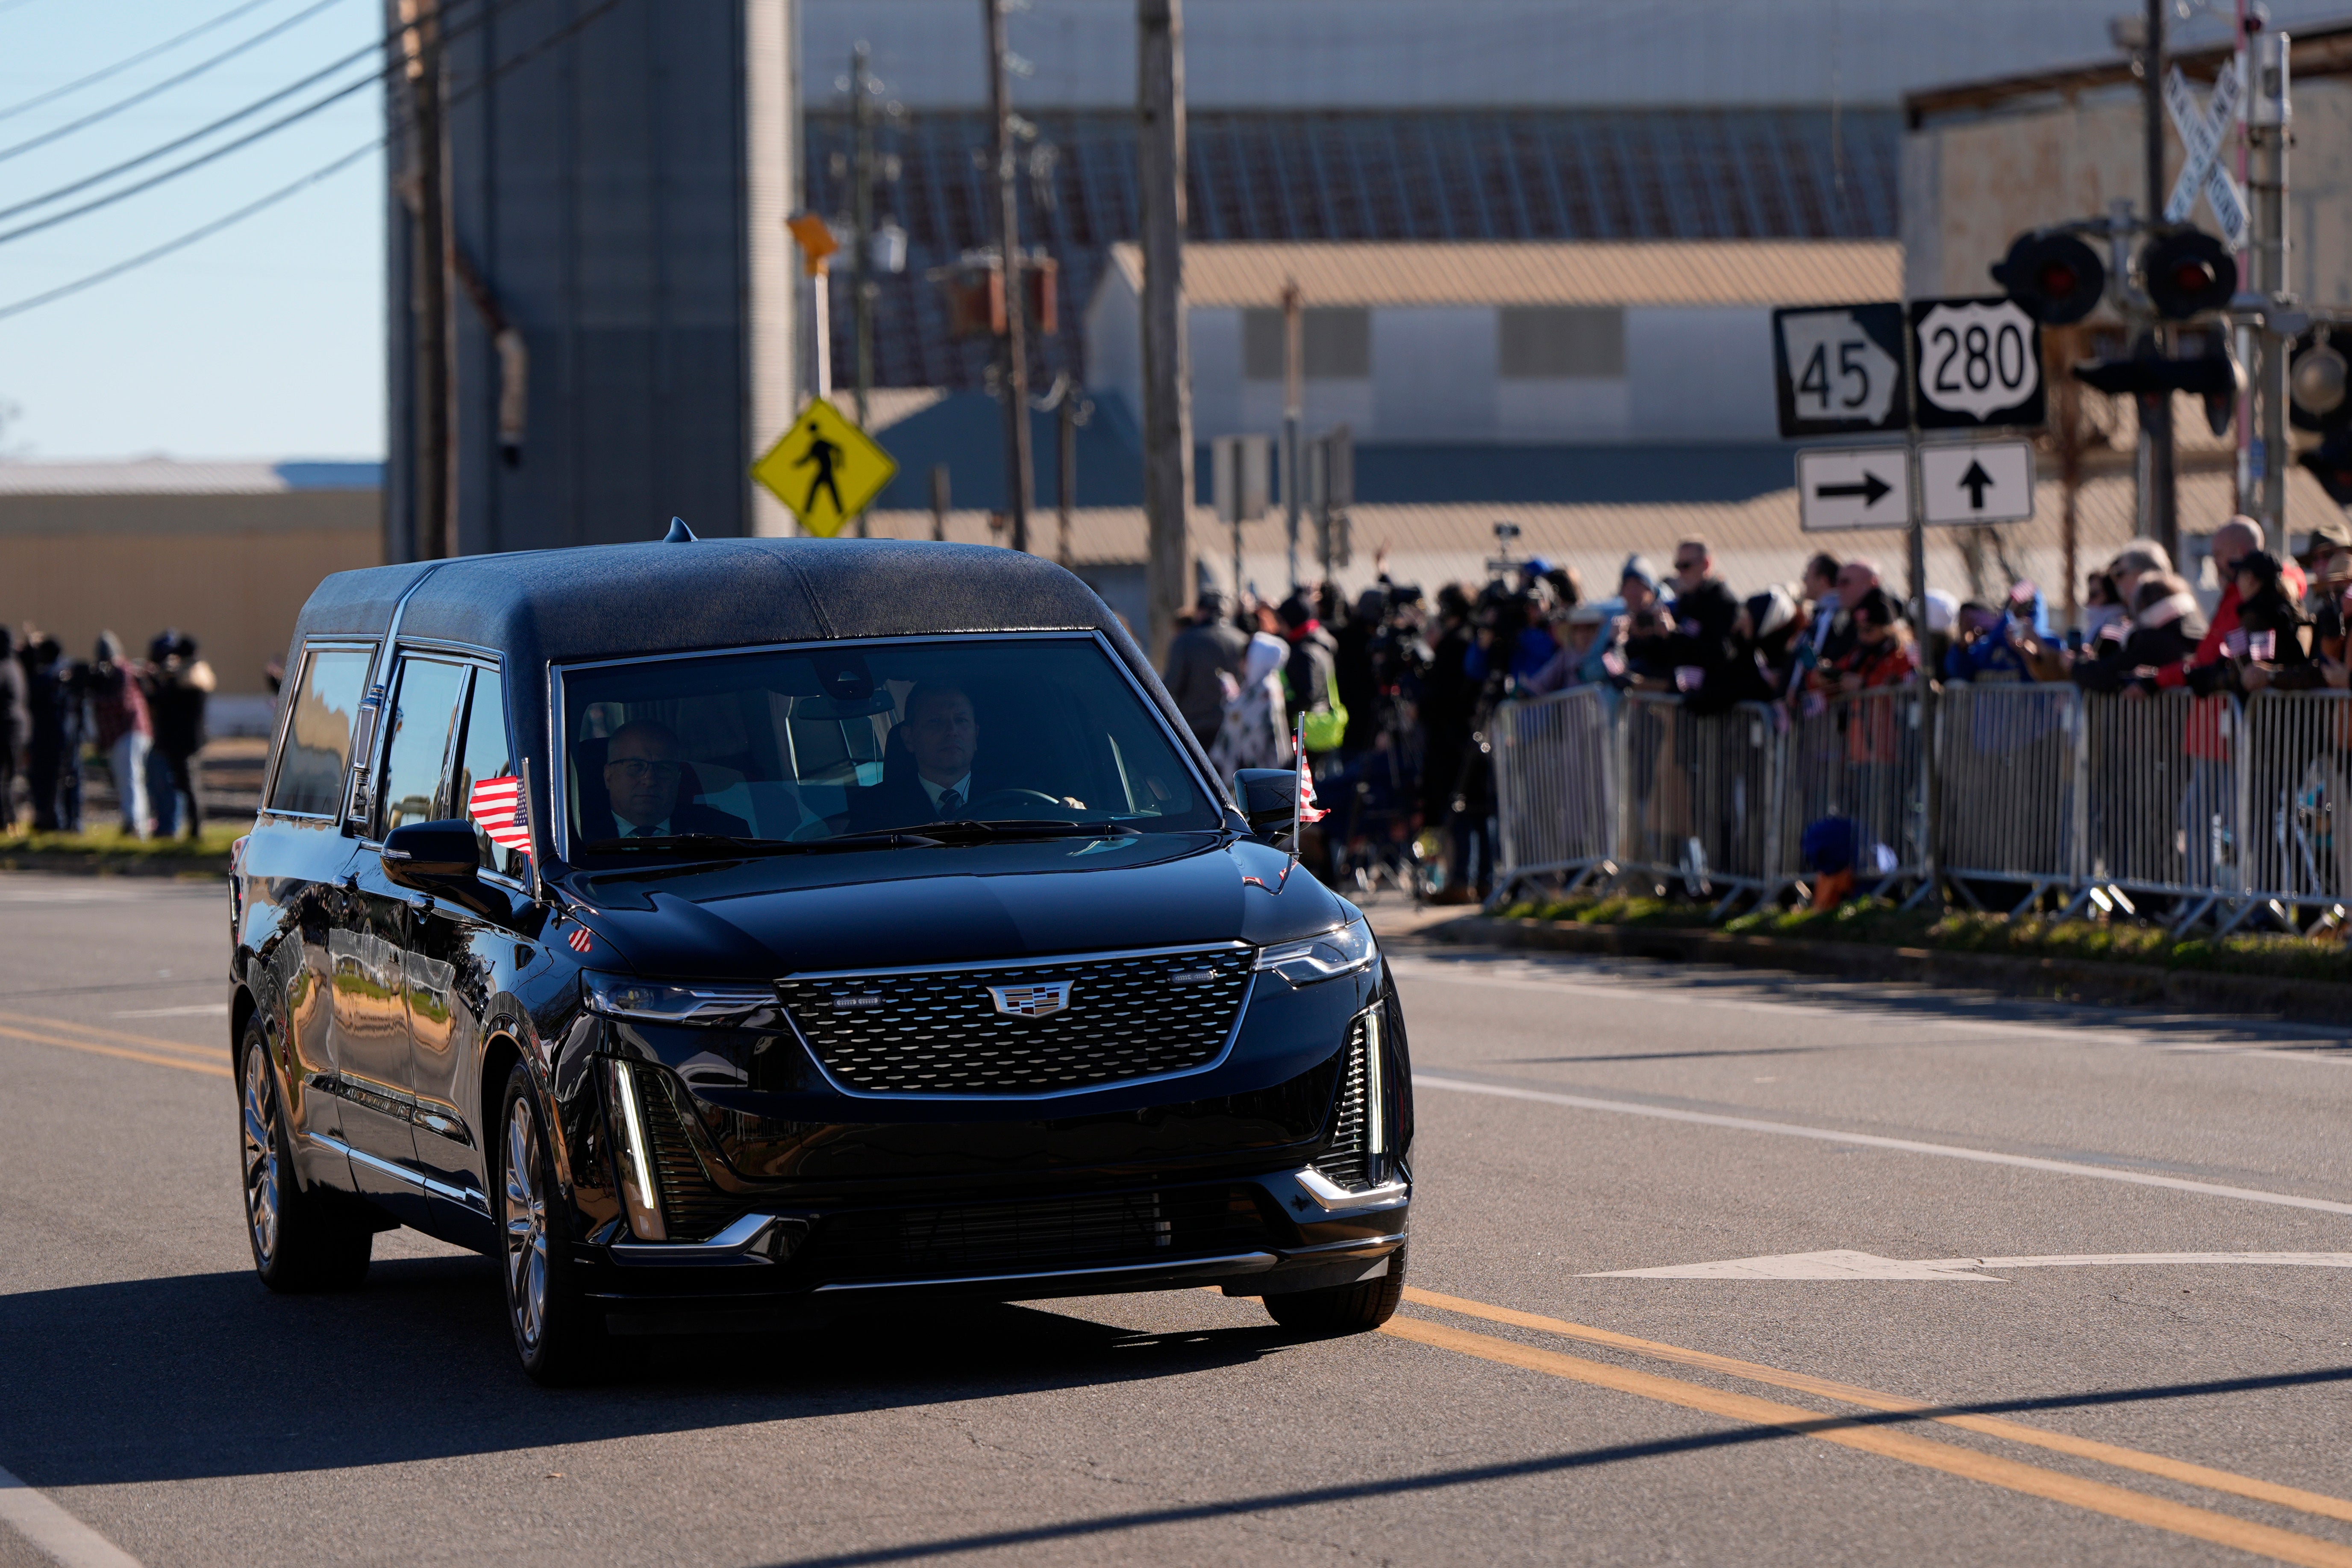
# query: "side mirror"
1268, 797
443, 858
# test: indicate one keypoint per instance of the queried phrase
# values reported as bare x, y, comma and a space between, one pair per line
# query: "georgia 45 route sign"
1839, 369
1980, 363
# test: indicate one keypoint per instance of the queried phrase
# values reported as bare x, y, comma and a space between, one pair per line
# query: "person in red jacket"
2205, 840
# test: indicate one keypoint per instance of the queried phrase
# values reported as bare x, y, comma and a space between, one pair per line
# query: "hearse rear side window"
317, 748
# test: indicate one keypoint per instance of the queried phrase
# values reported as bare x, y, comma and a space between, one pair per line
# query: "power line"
489, 7
166, 47
192, 236
204, 230
166, 85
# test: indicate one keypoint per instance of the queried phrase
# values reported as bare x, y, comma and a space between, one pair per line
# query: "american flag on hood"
496, 805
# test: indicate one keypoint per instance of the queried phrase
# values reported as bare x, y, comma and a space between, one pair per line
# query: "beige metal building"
224, 551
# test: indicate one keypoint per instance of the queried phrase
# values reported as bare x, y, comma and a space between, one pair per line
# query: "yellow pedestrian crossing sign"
825, 469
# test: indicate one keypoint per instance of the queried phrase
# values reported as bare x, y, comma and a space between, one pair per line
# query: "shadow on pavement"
210, 1374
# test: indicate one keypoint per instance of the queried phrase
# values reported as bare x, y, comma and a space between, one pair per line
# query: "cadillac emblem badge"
1032, 1001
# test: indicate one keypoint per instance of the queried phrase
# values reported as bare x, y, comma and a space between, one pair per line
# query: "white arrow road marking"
1872, 1141
55, 1534
1844, 1265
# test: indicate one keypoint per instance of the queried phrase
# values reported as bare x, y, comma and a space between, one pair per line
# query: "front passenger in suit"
942, 736
643, 766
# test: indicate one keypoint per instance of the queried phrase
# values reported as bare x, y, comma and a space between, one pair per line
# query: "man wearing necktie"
942, 736
643, 769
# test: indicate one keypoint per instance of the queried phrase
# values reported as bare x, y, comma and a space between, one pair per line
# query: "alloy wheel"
526, 1225
260, 1141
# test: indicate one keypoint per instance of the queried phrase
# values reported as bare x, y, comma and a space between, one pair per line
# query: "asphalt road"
1578, 1117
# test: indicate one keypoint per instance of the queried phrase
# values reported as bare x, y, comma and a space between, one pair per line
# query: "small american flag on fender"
496, 805
579, 940
1308, 811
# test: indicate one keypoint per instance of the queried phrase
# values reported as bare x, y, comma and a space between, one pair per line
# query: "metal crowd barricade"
1701, 795
1556, 792
2010, 757
2296, 804
2163, 797
1859, 759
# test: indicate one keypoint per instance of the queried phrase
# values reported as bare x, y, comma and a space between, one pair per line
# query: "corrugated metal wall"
599, 185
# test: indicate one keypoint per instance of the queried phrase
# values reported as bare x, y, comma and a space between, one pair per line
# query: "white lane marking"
1872, 1141
199, 1010
1846, 1265
55, 1534
1523, 977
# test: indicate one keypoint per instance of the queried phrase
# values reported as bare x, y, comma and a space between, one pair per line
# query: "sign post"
1928, 364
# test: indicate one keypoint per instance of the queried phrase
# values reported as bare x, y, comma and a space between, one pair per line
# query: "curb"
209, 866
2112, 985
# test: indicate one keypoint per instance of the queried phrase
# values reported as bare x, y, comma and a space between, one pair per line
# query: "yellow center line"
145, 1042
217, 1068
2097, 1496
2311, 1502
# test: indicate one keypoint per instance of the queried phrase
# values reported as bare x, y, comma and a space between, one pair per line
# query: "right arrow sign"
1984, 482
1854, 487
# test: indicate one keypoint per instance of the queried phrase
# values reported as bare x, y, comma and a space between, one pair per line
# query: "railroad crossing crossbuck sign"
2202, 137
825, 469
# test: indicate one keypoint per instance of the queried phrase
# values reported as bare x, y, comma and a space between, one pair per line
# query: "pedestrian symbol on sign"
825, 469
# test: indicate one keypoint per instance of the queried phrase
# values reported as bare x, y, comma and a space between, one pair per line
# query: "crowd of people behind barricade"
1394, 692
143, 717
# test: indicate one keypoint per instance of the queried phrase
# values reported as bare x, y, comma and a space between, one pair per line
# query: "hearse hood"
767, 917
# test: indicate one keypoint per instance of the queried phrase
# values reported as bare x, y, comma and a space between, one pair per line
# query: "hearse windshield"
877, 743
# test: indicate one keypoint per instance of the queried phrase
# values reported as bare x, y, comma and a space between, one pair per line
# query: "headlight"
1339, 951
621, 997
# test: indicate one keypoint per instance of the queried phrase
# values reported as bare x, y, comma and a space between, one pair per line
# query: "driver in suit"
643, 765
942, 736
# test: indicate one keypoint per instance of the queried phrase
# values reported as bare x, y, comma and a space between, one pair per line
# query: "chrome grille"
938, 1031
1348, 1161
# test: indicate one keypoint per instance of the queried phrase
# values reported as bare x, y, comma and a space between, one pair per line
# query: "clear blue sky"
264, 340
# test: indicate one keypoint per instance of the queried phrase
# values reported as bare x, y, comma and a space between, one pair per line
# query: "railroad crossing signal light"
2331, 464
2053, 278
2215, 378
2186, 273
2315, 381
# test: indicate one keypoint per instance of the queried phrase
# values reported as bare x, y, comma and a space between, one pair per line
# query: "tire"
301, 1241
1343, 1309
558, 1334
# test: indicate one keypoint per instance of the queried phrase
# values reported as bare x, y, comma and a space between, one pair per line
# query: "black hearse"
714, 929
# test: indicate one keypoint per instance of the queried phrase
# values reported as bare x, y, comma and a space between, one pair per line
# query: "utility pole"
1293, 398
1014, 384
434, 522
1167, 357
2159, 509
862, 286
2268, 116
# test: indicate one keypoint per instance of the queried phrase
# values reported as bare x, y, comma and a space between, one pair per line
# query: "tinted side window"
421, 720
488, 781
317, 751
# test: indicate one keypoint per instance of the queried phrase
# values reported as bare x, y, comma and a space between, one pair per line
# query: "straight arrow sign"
1982, 482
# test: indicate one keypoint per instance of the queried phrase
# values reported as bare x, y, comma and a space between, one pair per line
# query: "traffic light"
2215, 378
2186, 273
2331, 464
2053, 278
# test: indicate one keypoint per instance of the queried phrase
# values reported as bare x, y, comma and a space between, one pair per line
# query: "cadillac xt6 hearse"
720, 931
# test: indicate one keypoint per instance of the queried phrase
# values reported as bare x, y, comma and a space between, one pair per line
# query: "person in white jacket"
1251, 734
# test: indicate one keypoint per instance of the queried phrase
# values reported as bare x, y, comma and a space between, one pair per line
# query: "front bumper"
1286, 1230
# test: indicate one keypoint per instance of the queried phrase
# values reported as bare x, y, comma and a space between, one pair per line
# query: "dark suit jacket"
689, 817
899, 803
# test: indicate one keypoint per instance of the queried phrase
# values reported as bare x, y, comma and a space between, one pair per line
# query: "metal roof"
1641, 272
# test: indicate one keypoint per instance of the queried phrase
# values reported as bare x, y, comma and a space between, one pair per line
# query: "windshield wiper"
1032, 828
